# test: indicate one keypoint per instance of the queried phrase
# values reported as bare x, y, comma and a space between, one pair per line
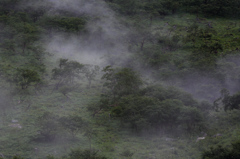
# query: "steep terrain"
144, 79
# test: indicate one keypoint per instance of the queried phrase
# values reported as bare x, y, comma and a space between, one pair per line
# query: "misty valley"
119, 79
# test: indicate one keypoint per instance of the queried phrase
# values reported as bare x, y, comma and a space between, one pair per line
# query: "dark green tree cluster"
121, 82
213, 7
208, 44
152, 7
22, 56
21, 51
223, 153
206, 47
174, 51
227, 101
47, 126
68, 72
218, 8
141, 107
60, 23
7, 6
19, 34
25, 77
162, 8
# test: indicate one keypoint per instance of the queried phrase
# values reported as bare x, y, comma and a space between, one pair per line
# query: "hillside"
113, 79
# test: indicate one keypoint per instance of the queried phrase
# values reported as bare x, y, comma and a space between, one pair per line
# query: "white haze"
106, 35
205, 86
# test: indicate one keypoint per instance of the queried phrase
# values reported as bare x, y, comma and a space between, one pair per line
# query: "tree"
22, 81
47, 126
36, 13
67, 72
162, 8
219, 8
206, 47
151, 107
216, 153
191, 118
165, 93
174, 107
19, 29
90, 72
223, 100
27, 35
121, 82
89, 132
25, 77
60, 23
152, 9
223, 153
227, 101
134, 110
171, 5
7, 6
231, 102
20, 35
192, 6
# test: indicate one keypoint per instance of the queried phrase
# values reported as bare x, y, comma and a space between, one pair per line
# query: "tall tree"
67, 72
121, 82
90, 72
25, 77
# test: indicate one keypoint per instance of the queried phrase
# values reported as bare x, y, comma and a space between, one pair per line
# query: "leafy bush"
47, 127
223, 153
121, 82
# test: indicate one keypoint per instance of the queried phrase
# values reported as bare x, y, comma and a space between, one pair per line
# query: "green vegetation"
222, 153
167, 84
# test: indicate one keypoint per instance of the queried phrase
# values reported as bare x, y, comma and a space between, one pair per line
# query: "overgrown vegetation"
168, 87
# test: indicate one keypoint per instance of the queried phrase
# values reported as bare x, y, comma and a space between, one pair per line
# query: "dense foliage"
223, 153
166, 7
166, 74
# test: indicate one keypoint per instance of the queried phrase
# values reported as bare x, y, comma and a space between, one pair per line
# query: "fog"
106, 36
108, 39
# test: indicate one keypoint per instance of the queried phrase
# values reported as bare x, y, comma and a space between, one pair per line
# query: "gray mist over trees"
106, 40
113, 77
105, 36
206, 87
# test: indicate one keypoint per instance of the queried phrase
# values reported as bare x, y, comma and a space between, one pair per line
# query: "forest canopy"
119, 79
